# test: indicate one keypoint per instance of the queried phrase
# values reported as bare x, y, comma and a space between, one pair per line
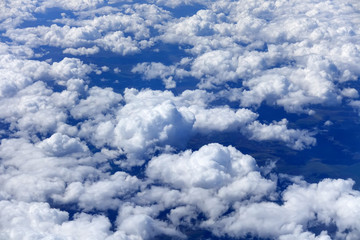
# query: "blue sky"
180, 119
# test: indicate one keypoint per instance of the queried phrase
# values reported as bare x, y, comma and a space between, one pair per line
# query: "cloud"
149, 120
35, 173
220, 175
212, 166
38, 220
32, 110
61, 145
73, 5
146, 120
136, 221
225, 178
70, 68
82, 51
13, 13
297, 139
116, 42
177, 3
103, 195
350, 93
159, 70
124, 32
294, 66
75, 157
98, 101
326, 202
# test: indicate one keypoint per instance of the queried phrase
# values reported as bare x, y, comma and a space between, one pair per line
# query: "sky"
179, 119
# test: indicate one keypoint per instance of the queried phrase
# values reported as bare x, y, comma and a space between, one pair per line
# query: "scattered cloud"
80, 160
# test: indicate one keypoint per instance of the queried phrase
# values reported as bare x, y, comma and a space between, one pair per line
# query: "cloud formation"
86, 159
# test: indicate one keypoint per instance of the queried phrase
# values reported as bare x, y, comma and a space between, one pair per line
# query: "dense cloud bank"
81, 160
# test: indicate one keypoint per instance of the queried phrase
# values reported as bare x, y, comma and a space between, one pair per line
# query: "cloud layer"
89, 151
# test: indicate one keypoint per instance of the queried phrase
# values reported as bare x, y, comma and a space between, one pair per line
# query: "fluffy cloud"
297, 139
124, 32
239, 185
116, 42
151, 119
61, 145
136, 220
177, 3
212, 166
104, 194
32, 110
147, 119
75, 157
37, 220
327, 202
62, 169
159, 70
98, 101
13, 13
82, 51
73, 5
284, 60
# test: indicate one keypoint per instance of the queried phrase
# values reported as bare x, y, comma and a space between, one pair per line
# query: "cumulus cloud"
99, 100
37, 220
302, 204
80, 161
297, 139
61, 145
165, 73
82, 51
212, 166
350, 93
146, 120
317, 203
15, 13
177, 3
73, 5
118, 43
123, 32
284, 60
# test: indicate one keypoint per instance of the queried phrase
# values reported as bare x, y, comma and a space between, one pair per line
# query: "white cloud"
210, 179
32, 110
350, 93
177, 3
13, 13
28, 220
60, 145
70, 68
159, 70
99, 100
75, 5
278, 131
136, 221
104, 194
221, 118
124, 32
147, 119
82, 51
284, 60
213, 166
118, 43
37, 220
67, 144
327, 202
151, 119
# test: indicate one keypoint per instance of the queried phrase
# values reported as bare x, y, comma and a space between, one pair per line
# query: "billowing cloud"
81, 158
